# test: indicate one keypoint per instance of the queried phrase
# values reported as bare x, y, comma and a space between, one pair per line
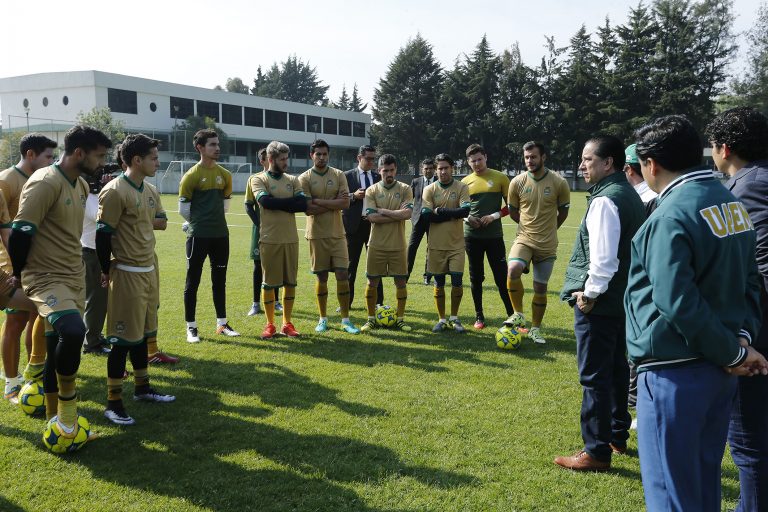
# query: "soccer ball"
386, 316
32, 398
508, 338
54, 441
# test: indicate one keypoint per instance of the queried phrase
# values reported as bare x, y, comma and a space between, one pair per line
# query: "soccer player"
204, 194
280, 197
739, 139
444, 204
420, 226
128, 208
252, 209
389, 204
326, 190
693, 307
483, 231
595, 280
47, 259
538, 201
36, 152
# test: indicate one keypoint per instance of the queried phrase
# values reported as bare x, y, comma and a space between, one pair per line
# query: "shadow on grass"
7, 506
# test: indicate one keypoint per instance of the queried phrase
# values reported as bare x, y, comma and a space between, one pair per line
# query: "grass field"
383, 422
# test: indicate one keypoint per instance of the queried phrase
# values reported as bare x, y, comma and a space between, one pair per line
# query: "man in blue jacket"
739, 139
693, 307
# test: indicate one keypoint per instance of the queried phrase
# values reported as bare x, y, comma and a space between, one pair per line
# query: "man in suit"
420, 226
356, 225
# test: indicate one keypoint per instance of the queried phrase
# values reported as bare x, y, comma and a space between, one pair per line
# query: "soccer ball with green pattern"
386, 316
32, 398
57, 443
508, 338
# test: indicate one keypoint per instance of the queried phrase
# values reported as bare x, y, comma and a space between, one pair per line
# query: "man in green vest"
595, 281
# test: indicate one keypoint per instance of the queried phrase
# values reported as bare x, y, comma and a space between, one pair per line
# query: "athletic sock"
51, 404
515, 290
67, 407
440, 301
152, 347
114, 389
370, 300
457, 292
38, 342
221, 321
191, 325
342, 293
321, 293
140, 381
538, 307
289, 295
268, 299
402, 296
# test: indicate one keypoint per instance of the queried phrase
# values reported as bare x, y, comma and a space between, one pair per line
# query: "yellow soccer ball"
507, 338
32, 398
386, 316
57, 443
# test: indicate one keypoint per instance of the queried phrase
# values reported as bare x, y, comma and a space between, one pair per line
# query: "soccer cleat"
479, 322
192, 336
255, 309
401, 325
515, 320
160, 357
369, 325
278, 306
12, 395
322, 325
119, 417
457, 326
100, 350
33, 372
289, 330
226, 330
268, 332
153, 396
427, 280
440, 326
535, 334
633, 426
349, 327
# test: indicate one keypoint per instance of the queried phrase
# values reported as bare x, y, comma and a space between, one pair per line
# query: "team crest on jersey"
120, 327
547, 191
68, 201
452, 195
219, 180
82, 200
151, 202
289, 187
490, 183
51, 301
329, 183
727, 219
397, 195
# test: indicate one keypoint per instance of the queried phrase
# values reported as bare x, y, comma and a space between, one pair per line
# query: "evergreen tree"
356, 103
753, 89
343, 102
518, 89
293, 80
548, 128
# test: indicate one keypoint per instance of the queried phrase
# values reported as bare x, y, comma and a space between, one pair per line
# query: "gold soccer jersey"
12, 180
277, 226
391, 235
538, 202
446, 235
324, 186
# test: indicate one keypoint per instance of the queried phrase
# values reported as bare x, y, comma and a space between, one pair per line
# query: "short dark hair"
428, 161
37, 142
672, 141
201, 136
475, 148
319, 143
262, 154
118, 158
609, 146
387, 159
636, 168
528, 146
137, 144
85, 138
364, 149
444, 157
744, 130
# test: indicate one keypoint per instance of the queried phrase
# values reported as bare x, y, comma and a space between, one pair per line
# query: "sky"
201, 43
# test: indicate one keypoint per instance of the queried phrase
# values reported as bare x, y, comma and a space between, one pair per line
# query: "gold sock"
114, 389
402, 296
370, 300
440, 301
51, 405
152, 347
140, 377
268, 301
342, 293
457, 292
38, 342
289, 294
321, 291
67, 407
515, 290
538, 307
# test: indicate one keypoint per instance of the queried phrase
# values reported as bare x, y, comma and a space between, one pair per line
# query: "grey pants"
95, 300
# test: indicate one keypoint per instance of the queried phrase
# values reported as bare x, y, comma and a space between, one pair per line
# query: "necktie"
365, 177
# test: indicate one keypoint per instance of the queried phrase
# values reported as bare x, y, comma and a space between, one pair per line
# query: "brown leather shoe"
582, 461
618, 450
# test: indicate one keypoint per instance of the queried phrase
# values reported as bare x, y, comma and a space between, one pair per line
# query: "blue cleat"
348, 326
322, 325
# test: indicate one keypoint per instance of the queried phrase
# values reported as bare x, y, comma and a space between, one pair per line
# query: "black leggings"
116, 359
258, 277
198, 249
63, 350
496, 253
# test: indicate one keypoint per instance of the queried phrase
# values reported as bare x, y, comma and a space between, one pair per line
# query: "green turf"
382, 422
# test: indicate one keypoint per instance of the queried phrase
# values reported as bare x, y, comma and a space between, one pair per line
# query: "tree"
181, 136
356, 103
518, 90
236, 85
405, 104
293, 80
9, 148
343, 103
753, 88
101, 119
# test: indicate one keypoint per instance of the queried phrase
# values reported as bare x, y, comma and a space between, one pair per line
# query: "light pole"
175, 121
26, 112
314, 129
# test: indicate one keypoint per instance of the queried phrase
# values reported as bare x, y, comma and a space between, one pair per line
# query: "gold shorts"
279, 264
328, 254
526, 253
383, 263
132, 306
53, 297
440, 262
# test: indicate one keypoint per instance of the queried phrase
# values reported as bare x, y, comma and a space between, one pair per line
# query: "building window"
345, 128
65, 100
275, 119
330, 126
208, 109
231, 114
153, 106
122, 101
45, 101
254, 117
182, 108
314, 124
25, 103
358, 129
296, 122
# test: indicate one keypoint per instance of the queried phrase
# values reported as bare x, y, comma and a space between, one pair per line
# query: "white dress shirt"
645, 192
88, 238
360, 174
604, 228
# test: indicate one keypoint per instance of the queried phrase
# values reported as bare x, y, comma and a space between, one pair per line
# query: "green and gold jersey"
276, 226
206, 188
324, 186
447, 235
51, 210
5, 223
250, 199
486, 194
389, 236
12, 180
127, 211
538, 202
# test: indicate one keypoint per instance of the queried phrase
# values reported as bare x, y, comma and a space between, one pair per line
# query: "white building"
50, 102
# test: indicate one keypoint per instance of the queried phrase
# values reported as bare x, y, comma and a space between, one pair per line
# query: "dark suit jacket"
417, 186
351, 216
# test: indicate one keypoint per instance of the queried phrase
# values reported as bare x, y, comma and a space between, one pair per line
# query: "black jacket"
352, 215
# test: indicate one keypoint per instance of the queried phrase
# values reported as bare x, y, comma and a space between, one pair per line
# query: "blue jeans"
748, 437
603, 374
682, 424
